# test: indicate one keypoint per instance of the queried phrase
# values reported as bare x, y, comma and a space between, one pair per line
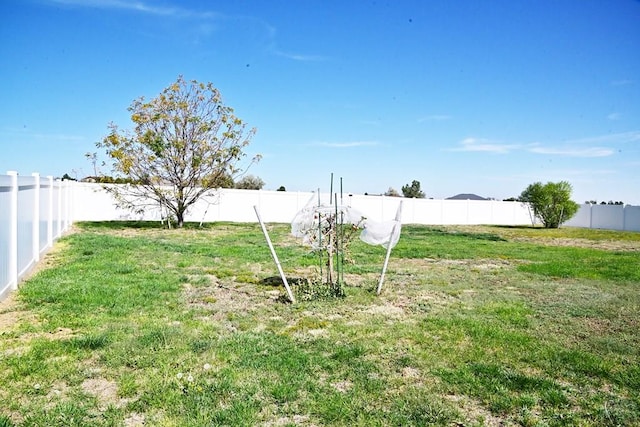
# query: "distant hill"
466, 196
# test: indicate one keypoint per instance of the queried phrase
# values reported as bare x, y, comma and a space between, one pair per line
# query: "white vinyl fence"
34, 211
92, 203
609, 217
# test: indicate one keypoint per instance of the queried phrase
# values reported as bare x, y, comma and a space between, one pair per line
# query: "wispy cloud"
590, 147
435, 118
349, 144
622, 82
614, 116
298, 57
206, 17
611, 138
274, 49
485, 145
136, 6
573, 152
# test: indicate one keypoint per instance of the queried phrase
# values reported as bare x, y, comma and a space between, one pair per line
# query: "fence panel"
609, 217
26, 218
6, 187
33, 212
632, 218
44, 237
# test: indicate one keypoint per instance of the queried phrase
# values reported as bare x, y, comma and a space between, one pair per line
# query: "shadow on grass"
152, 225
464, 234
305, 289
519, 227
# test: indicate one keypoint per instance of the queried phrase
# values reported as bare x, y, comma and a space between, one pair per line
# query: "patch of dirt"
387, 310
59, 390
608, 245
342, 386
475, 412
479, 264
223, 301
58, 334
409, 372
104, 390
134, 420
318, 332
10, 313
298, 420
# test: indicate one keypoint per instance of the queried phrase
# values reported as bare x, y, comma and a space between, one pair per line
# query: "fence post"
35, 238
68, 188
65, 198
59, 214
13, 231
50, 213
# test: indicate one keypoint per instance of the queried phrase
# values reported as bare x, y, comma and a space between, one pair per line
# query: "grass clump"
130, 324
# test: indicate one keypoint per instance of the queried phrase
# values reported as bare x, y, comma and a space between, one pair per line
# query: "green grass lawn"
127, 324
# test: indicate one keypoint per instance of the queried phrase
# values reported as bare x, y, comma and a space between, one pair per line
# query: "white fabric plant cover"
305, 225
381, 233
306, 222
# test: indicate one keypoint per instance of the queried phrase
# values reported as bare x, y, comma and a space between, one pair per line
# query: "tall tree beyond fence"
34, 211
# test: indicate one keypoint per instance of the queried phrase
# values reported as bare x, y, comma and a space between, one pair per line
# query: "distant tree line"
610, 202
411, 191
248, 182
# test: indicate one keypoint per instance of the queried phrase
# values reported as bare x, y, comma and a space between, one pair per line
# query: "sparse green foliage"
413, 190
223, 181
250, 182
281, 188
185, 142
551, 202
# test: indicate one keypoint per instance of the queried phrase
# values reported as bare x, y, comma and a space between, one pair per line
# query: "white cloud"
275, 50
612, 138
136, 6
298, 57
622, 82
204, 29
614, 116
480, 144
573, 152
590, 147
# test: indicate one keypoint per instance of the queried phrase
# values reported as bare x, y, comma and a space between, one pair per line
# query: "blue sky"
480, 97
